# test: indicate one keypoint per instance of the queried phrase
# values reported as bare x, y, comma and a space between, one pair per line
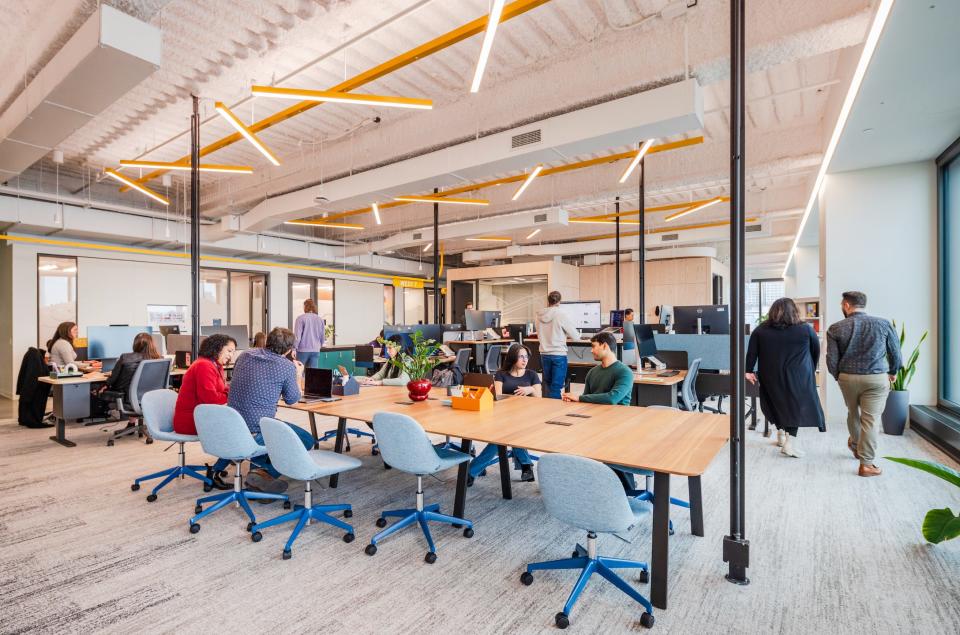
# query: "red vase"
419, 389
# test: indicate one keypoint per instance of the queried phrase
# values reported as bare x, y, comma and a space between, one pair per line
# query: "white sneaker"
780, 438
791, 448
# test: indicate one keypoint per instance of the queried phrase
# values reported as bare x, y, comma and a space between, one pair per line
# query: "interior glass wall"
321, 291
56, 294
759, 296
517, 298
214, 297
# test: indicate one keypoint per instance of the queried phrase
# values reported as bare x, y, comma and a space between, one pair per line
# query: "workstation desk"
477, 347
667, 442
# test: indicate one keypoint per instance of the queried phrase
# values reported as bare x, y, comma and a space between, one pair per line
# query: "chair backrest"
158, 407
492, 361
152, 374
583, 493
463, 360
286, 450
223, 432
403, 443
688, 389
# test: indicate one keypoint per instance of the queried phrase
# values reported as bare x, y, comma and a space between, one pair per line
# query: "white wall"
359, 311
803, 278
879, 235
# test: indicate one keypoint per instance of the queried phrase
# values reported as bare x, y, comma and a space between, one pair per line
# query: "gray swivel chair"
688, 389
151, 374
491, 362
463, 360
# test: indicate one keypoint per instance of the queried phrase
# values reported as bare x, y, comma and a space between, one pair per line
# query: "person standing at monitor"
553, 329
308, 330
629, 336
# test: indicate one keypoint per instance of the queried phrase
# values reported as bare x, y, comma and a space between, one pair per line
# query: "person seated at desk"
261, 377
61, 351
610, 382
513, 378
118, 384
204, 383
388, 375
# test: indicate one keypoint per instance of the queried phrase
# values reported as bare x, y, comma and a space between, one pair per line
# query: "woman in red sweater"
204, 383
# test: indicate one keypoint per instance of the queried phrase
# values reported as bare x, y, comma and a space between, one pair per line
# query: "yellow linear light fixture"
533, 233
602, 221
321, 96
441, 199
232, 119
143, 190
376, 213
204, 167
537, 170
636, 160
663, 230
314, 223
491, 239
492, 22
693, 208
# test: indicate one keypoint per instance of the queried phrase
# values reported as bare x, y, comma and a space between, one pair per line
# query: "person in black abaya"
784, 350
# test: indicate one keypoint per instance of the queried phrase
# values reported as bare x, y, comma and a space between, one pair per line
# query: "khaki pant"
865, 396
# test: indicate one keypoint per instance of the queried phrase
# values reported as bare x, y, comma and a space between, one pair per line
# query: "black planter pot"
896, 412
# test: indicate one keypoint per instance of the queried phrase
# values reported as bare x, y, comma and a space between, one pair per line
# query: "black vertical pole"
642, 256
736, 548
195, 225
436, 260
616, 260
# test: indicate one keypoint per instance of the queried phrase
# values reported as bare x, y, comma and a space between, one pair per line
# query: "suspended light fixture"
376, 213
695, 208
528, 181
441, 199
429, 245
492, 21
636, 160
533, 233
491, 239
131, 183
315, 223
303, 94
185, 167
246, 132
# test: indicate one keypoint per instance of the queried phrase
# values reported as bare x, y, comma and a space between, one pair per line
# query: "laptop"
317, 385
484, 380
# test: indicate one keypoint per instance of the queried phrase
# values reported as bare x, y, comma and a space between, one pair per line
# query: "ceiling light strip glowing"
694, 208
429, 245
533, 233
376, 213
537, 170
441, 199
204, 167
602, 221
491, 239
303, 94
869, 47
636, 160
314, 223
492, 21
130, 182
243, 130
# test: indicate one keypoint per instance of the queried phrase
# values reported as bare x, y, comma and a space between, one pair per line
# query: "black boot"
526, 473
216, 480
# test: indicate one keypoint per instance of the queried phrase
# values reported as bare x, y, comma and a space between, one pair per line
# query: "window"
759, 296
56, 294
949, 341
235, 298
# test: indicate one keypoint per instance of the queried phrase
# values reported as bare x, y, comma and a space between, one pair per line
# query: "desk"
650, 390
663, 441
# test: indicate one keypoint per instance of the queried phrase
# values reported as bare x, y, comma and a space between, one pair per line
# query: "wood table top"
94, 377
672, 441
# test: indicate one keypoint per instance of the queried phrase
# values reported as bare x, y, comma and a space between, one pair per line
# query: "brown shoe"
869, 470
853, 447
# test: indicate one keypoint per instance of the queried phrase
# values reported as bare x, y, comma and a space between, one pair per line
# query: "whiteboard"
358, 311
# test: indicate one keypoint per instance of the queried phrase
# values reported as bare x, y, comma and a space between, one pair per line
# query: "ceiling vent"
753, 228
668, 237
417, 235
540, 218
525, 139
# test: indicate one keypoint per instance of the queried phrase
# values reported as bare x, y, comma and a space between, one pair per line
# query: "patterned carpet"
831, 552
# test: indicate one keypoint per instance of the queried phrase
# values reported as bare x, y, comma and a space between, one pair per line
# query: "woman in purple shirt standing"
308, 334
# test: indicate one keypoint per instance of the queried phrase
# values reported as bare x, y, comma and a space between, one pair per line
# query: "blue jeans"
520, 458
554, 374
309, 360
264, 461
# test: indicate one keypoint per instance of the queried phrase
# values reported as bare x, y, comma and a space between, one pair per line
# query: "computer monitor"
182, 342
173, 329
475, 320
646, 344
616, 318
111, 341
518, 332
430, 331
713, 319
584, 315
452, 327
238, 332
491, 319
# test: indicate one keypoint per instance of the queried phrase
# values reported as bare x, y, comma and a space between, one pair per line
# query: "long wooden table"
663, 441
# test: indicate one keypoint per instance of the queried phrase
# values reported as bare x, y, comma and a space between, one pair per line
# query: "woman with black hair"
785, 352
388, 375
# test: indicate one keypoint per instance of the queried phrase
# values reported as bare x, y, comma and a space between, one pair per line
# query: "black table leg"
61, 436
338, 446
313, 431
661, 540
505, 487
460, 500
696, 506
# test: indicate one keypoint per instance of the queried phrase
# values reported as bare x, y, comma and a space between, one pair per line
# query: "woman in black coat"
785, 351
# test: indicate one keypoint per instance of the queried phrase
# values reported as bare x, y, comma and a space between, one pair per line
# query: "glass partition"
56, 294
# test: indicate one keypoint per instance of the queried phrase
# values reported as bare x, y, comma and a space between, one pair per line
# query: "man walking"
553, 329
863, 355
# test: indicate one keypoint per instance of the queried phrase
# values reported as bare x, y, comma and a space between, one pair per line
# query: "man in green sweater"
610, 382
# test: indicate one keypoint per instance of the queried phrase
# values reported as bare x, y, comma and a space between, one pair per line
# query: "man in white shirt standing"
553, 329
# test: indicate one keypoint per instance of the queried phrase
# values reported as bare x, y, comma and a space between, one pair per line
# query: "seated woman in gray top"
61, 348
388, 375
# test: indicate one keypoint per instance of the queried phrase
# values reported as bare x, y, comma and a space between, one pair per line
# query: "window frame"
945, 160
76, 303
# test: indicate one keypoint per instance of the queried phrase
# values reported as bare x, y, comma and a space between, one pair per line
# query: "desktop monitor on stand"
647, 346
708, 319
616, 318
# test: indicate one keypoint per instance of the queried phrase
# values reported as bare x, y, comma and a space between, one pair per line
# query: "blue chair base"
589, 566
303, 515
241, 497
430, 513
193, 471
496, 459
332, 434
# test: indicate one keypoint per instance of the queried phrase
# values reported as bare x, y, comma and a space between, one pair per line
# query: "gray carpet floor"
831, 552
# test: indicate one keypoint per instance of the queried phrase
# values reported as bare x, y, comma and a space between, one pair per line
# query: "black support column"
736, 548
616, 259
195, 225
436, 259
642, 253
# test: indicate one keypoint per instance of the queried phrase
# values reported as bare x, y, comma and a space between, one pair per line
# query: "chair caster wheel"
194, 528
644, 577
562, 620
348, 537
151, 498
468, 533
110, 443
250, 526
430, 558
371, 549
207, 488
646, 620
287, 554
348, 513
381, 522
526, 578
135, 487
256, 536
670, 531
198, 509
287, 504
149, 441
375, 451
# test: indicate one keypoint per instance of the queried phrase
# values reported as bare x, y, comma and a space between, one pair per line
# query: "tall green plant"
418, 363
909, 367
938, 524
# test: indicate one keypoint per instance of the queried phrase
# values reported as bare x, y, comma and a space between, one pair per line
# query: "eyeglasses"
522, 357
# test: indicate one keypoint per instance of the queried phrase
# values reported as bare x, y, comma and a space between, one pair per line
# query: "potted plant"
417, 364
938, 524
896, 410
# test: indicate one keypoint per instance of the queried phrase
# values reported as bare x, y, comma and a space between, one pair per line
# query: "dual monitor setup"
707, 319
107, 343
